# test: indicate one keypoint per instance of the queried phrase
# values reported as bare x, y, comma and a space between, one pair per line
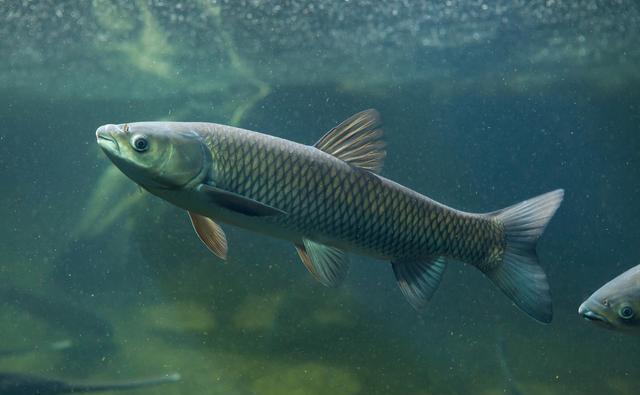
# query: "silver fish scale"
327, 199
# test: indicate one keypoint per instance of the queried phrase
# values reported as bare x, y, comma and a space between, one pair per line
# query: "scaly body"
331, 202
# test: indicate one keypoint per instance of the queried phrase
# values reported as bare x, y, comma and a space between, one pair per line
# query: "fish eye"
140, 143
626, 312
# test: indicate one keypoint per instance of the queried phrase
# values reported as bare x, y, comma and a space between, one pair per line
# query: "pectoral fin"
210, 233
418, 280
328, 265
234, 202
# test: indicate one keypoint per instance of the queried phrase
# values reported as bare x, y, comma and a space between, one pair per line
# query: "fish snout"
583, 308
106, 139
107, 130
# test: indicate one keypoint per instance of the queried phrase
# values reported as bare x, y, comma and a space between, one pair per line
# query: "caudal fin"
519, 275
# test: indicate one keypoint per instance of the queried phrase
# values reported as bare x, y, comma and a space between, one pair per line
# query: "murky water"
484, 104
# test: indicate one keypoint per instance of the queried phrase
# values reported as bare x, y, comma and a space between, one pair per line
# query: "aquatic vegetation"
150, 52
303, 379
258, 312
103, 210
238, 64
180, 317
330, 316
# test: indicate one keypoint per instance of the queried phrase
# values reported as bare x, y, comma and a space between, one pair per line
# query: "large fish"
327, 199
616, 305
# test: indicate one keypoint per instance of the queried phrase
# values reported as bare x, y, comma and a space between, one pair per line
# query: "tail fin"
519, 275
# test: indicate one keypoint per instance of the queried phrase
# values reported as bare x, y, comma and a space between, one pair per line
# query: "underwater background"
484, 103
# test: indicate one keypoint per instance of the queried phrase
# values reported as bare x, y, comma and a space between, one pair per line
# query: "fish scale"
329, 199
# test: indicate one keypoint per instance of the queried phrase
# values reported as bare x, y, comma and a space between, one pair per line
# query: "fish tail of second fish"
517, 272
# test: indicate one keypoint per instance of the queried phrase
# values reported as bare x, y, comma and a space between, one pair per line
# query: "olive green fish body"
329, 198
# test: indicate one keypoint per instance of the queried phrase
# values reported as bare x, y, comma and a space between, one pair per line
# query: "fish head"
156, 155
616, 305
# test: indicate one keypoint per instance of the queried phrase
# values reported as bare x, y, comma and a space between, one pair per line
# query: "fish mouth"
591, 315
105, 139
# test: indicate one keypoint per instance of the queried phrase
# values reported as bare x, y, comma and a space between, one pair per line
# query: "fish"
55, 346
27, 384
616, 305
329, 199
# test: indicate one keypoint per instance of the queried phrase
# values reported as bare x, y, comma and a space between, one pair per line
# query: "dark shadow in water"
24, 384
90, 334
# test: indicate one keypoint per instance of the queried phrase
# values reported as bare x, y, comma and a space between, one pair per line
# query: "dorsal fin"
357, 141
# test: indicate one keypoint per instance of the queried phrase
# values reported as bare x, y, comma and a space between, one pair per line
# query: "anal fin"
419, 279
210, 233
329, 265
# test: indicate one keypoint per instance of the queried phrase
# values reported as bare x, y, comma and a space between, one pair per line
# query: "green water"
484, 105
